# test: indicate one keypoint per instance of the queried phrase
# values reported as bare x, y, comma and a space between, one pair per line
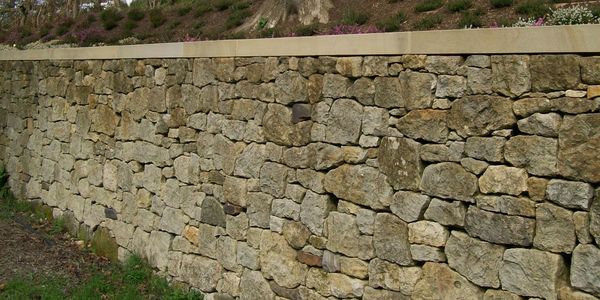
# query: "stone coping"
546, 39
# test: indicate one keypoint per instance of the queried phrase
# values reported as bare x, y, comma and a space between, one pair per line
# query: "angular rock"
383, 274
250, 161
427, 253
477, 260
427, 233
314, 210
279, 129
399, 160
590, 69
440, 282
584, 269
446, 213
570, 194
504, 180
390, 239
451, 86
278, 260
409, 206
541, 124
235, 191
577, 135
486, 148
344, 122
254, 286
595, 218
479, 81
499, 228
449, 180
344, 237
417, 89
335, 86
259, 209
443, 64
375, 121
554, 72
273, 179
507, 205
480, 115
582, 227
373, 294
529, 106
359, 184
291, 87
500, 295
510, 74
212, 212
554, 230
363, 90
387, 92
532, 273
428, 124
349, 66
537, 154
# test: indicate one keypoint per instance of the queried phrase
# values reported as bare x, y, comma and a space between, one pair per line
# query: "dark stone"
110, 213
212, 212
309, 259
300, 112
232, 210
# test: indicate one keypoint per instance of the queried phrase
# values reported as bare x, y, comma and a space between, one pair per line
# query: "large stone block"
480, 115
427, 124
570, 194
477, 260
344, 237
446, 213
344, 122
417, 89
278, 260
390, 239
486, 148
359, 184
584, 269
388, 92
449, 180
314, 210
279, 129
383, 274
499, 228
291, 87
554, 230
399, 159
504, 180
510, 74
579, 139
537, 154
533, 273
440, 282
554, 72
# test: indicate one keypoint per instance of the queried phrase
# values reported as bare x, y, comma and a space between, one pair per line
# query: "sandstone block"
577, 134
499, 228
440, 282
504, 180
399, 160
537, 154
480, 115
554, 230
359, 184
584, 269
390, 239
429, 125
449, 180
427, 233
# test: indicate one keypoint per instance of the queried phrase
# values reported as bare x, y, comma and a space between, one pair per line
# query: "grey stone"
446, 213
201, 272
375, 121
480, 115
595, 217
480, 61
528, 106
235, 191
203, 72
499, 228
417, 89
590, 68
344, 123
388, 92
344, 237
570, 194
577, 135
427, 253
279, 128
363, 90
571, 105
440, 282
399, 160
479, 81
409, 206
335, 86
295, 233
582, 227
533, 273
285, 208
451, 86
443, 64
273, 179
554, 72
500, 295
486, 148
254, 286
541, 124
427, 233
390, 239
435, 153
509, 205
375, 66
537, 154
449, 180
365, 219
359, 184
504, 180
554, 230
474, 166
291, 87
510, 74
278, 260
349, 66
477, 260
212, 212
383, 274
374, 294
584, 269
429, 125
247, 256
227, 249
314, 210
249, 162
259, 209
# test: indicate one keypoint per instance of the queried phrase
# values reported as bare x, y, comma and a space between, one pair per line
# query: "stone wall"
396, 177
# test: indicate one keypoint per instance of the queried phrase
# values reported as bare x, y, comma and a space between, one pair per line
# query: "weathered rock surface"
359, 184
584, 269
537, 154
390, 239
440, 282
344, 237
399, 160
499, 228
503, 180
579, 134
449, 180
426, 124
570, 194
480, 115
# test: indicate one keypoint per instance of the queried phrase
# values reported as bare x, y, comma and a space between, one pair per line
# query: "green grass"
352, 17
459, 5
201, 9
236, 18
501, 3
135, 14
428, 22
429, 5
157, 18
533, 8
128, 281
470, 20
392, 23
182, 11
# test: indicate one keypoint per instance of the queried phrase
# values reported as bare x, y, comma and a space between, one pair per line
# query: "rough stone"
375, 121
363, 90
541, 124
429, 125
409, 206
399, 160
577, 135
417, 89
595, 217
529, 106
344, 237
477, 260
449, 180
509, 205
278, 260
590, 68
388, 92
359, 184
235, 191
584, 269
554, 72
212, 212
291, 87
500, 295
446, 213
383, 274
499, 228
486, 148
440, 282
510, 74
570, 194
254, 286
533, 273
344, 122
480, 115
537, 154
504, 180
374, 294
555, 230
427, 233
427, 253
314, 210
451, 86
390, 239
335, 86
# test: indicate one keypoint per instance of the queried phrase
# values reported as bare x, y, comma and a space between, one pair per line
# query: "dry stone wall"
392, 177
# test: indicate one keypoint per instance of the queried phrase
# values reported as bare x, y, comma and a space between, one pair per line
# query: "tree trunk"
277, 11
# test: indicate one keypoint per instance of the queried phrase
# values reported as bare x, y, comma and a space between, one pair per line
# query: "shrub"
64, 26
157, 18
175, 24
307, 30
135, 14
501, 3
352, 17
201, 9
393, 23
428, 5
222, 5
110, 18
352, 29
428, 22
529, 22
459, 5
45, 30
236, 18
182, 11
262, 22
469, 20
533, 8
596, 11
571, 15
240, 6
130, 25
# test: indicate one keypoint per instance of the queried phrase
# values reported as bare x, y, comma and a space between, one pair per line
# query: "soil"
27, 250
